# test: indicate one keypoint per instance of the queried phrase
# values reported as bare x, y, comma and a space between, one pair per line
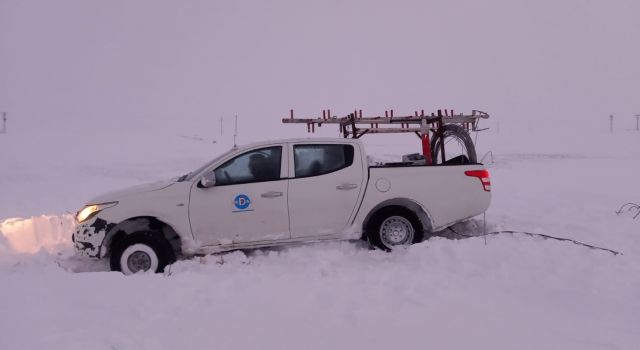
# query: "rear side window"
314, 160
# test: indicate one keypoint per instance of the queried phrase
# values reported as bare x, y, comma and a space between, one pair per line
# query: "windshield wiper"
183, 177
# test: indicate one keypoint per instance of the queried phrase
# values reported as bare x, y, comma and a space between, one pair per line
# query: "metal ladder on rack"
355, 125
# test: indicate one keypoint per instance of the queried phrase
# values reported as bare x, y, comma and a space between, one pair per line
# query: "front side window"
314, 160
254, 166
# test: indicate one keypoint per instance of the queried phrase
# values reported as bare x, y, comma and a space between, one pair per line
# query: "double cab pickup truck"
276, 193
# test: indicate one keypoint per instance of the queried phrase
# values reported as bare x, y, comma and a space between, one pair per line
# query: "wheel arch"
142, 223
406, 203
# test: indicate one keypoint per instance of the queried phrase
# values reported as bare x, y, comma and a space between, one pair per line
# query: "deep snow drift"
505, 292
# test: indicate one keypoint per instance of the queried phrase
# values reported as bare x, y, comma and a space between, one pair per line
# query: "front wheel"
141, 251
393, 227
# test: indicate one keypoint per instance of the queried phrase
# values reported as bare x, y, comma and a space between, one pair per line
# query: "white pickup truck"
279, 192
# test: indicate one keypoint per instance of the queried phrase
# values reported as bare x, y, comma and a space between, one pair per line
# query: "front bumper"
89, 236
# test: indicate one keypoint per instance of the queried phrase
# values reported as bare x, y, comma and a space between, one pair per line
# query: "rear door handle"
346, 187
271, 194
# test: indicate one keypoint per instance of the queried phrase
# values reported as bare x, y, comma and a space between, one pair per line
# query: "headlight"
90, 210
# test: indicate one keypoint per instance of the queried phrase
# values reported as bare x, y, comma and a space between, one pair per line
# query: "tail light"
484, 177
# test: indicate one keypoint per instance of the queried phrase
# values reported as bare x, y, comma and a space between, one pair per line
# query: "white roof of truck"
302, 140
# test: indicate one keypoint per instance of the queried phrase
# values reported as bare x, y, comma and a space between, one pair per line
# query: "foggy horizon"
68, 61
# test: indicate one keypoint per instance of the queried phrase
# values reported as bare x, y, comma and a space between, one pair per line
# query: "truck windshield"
191, 175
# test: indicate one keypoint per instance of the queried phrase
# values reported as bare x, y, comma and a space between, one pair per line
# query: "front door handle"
346, 187
271, 194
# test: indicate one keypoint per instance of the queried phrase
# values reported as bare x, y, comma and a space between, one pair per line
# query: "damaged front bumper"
89, 237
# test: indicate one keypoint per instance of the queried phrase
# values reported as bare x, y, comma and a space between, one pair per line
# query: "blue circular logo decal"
242, 201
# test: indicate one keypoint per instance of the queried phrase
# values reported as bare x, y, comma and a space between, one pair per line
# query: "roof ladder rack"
355, 125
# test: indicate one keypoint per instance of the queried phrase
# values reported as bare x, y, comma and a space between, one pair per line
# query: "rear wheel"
141, 251
394, 226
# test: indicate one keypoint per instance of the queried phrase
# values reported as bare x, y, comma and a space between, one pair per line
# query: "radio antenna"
235, 132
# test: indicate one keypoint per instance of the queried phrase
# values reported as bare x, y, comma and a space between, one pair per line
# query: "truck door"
325, 185
248, 202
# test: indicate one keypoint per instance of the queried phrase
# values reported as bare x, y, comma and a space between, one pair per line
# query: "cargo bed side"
445, 193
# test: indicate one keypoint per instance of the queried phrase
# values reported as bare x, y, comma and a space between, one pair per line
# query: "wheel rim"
396, 230
139, 261
138, 257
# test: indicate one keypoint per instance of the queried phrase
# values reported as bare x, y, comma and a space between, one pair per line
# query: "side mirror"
208, 180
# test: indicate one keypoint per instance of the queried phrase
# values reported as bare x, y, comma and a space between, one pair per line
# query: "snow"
45, 232
503, 292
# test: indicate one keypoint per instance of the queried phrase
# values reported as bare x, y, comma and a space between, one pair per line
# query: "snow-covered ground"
503, 292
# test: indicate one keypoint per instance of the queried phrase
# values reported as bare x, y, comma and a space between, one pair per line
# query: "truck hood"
117, 195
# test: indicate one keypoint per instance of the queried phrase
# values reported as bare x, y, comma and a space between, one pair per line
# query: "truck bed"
444, 192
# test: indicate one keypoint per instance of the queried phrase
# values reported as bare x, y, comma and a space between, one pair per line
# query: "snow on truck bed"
508, 292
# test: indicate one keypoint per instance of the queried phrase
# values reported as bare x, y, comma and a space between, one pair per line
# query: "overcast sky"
162, 61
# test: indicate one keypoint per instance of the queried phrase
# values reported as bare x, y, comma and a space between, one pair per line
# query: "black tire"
155, 241
394, 215
453, 131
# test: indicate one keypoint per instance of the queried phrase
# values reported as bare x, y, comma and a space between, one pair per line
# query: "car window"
314, 160
254, 166
190, 176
